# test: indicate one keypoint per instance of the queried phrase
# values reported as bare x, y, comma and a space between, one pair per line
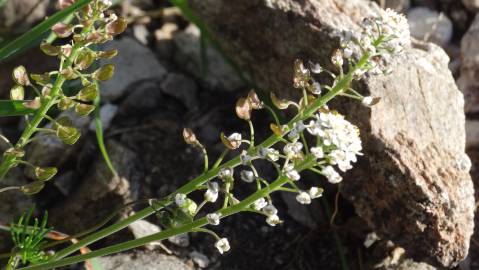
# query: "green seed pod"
15, 152
32, 188
41, 78
107, 54
84, 109
69, 73
116, 27
46, 173
65, 103
84, 60
68, 135
20, 76
49, 49
88, 93
33, 104
104, 73
17, 92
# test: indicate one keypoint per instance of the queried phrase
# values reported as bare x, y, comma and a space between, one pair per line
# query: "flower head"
291, 173
222, 245
332, 175
303, 197
273, 220
259, 204
211, 194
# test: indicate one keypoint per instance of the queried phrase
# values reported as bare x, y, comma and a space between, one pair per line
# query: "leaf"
13, 108
31, 37
99, 136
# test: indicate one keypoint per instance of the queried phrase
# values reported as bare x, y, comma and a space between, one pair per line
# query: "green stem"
200, 180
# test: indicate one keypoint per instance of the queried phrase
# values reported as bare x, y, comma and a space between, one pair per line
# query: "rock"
412, 185
141, 33
428, 25
100, 192
219, 75
107, 113
181, 240
143, 261
182, 88
471, 5
20, 15
142, 228
48, 150
200, 259
134, 62
300, 213
472, 133
136, 103
65, 182
164, 40
398, 5
468, 82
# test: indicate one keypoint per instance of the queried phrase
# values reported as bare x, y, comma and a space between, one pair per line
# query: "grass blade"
13, 108
99, 136
32, 36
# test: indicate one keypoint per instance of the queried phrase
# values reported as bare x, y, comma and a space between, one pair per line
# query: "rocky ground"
163, 84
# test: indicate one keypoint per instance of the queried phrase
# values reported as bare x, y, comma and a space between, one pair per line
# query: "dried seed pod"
84, 109
62, 30
49, 49
32, 188
104, 73
243, 109
116, 27
17, 92
88, 93
281, 104
254, 101
33, 104
20, 76
46, 173
190, 137
231, 142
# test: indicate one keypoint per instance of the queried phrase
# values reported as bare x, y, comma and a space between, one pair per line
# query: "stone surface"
219, 75
472, 133
412, 185
471, 5
107, 113
429, 25
398, 5
164, 40
468, 82
143, 261
142, 228
134, 62
182, 88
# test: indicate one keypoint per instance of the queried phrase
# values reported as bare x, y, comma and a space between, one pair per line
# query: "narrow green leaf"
30, 37
99, 136
13, 108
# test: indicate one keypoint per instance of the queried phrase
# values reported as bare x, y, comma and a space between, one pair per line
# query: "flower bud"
211, 194
84, 109
315, 192
33, 104
49, 49
190, 137
62, 30
88, 93
243, 109
45, 174
68, 135
273, 220
17, 92
20, 76
225, 173
337, 58
259, 204
222, 245
104, 73
180, 199
231, 142
247, 176
303, 198
254, 101
116, 27
32, 188
213, 218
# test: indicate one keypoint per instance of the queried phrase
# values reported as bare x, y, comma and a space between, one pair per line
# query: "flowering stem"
191, 186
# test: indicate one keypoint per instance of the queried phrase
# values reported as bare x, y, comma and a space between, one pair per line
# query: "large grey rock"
468, 82
143, 261
471, 5
429, 25
133, 63
412, 185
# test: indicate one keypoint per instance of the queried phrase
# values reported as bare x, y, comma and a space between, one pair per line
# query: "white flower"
259, 204
273, 220
292, 149
270, 210
245, 158
316, 88
106, 2
315, 192
303, 197
222, 245
180, 199
213, 218
211, 194
332, 175
235, 138
269, 153
247, 176
317, 152
291, 173
225, 173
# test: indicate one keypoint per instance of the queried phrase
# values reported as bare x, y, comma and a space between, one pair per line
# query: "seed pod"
65, 3
15, 152
62, 30
254, 101
20, 76
116, 27
49, 49
33, 104
88, 93
46, 173
46, 90
190, 137
104, 73
32, 188
65, 103
107, 54
17, 92
69, 73
232, 142
68, 135
243, 109
84, 60
84, 109
66, 50
41, 79
280, 103
278, 131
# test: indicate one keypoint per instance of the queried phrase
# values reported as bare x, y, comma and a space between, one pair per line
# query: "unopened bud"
190, 137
